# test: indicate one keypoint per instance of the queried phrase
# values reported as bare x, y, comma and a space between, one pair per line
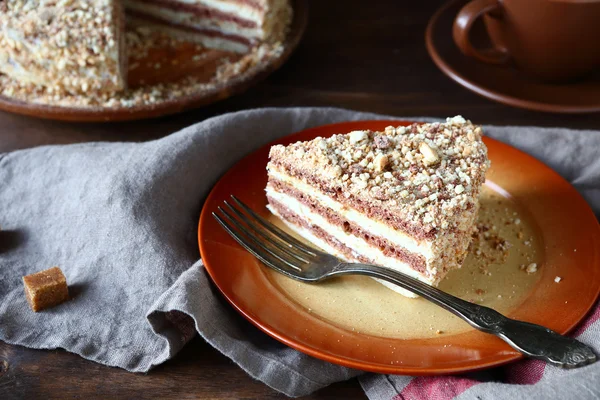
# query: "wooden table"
356, 54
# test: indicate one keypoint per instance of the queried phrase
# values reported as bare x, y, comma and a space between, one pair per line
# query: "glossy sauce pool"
493, 275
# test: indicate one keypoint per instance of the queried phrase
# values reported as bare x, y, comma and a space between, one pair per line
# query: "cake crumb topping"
75, 53
71, 45
145, 94
429, 173
530, 269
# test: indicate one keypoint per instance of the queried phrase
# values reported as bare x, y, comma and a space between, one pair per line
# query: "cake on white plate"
77, 45
405, 198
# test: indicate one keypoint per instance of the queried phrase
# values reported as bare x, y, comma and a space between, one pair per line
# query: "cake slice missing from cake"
405, 198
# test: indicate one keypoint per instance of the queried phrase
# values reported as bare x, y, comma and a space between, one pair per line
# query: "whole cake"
78, 46
405, 198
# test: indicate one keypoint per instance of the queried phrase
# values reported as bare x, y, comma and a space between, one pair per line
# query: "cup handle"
462, 27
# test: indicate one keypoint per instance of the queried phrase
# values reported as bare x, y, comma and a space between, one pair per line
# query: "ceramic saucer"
500, 83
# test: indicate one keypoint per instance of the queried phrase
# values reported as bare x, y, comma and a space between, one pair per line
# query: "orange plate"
187, 65
563, 217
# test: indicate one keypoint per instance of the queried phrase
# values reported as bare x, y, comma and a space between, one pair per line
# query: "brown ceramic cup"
553, 40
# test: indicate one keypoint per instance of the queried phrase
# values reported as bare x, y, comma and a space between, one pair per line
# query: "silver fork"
289, 256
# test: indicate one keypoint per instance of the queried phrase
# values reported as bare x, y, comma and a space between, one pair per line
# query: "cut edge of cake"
233, 26
76, 46
405, 198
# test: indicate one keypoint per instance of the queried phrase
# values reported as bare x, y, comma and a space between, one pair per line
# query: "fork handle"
530, 339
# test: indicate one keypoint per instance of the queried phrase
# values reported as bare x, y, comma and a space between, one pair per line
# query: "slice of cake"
73, 45
405, 198
234, 25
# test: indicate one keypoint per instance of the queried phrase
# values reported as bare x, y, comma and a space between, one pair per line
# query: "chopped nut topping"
430, 155
458, 120
382, 141
419, 171
146, 94
381, 161
531, 268
71, 44
357, 136
67, 53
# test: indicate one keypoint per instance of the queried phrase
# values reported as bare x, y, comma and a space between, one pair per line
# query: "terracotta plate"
189, 62
503, 84
562, 216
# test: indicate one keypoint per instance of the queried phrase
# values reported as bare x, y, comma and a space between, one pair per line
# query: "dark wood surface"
356, 54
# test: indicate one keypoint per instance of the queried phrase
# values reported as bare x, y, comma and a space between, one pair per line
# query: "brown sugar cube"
46, 288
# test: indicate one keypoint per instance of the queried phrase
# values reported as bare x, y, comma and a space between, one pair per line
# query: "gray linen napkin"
120, 219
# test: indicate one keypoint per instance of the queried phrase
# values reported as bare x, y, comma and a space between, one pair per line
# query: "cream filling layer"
370, 225
222, 43
358, 245
308, 235
189, 19
244, 10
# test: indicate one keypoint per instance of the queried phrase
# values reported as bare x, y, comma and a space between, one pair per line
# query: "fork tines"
265, 241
